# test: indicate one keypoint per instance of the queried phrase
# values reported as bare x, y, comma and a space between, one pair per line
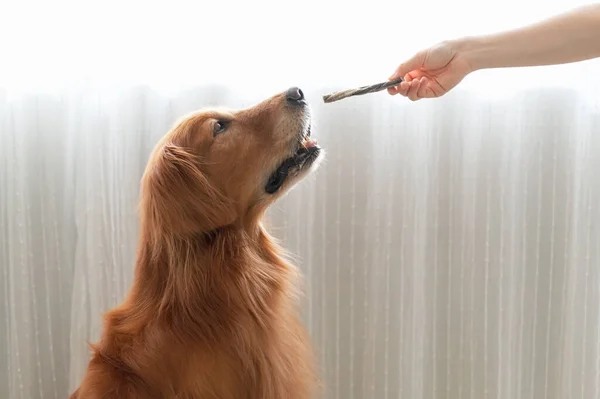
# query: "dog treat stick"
329, 98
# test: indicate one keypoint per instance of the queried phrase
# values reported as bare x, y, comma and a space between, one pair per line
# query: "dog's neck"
194, 283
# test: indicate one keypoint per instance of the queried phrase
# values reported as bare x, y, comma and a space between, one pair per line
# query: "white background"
450, 247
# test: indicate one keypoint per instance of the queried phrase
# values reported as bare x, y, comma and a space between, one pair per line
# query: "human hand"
431, 73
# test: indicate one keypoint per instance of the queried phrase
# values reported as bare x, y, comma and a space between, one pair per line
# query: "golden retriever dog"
213, 312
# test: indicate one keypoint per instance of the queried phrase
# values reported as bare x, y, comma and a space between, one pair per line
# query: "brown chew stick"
329, 98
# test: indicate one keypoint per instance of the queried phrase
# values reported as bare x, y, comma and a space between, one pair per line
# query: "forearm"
570, 37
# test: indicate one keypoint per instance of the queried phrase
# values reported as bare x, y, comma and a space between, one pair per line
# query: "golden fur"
212, 311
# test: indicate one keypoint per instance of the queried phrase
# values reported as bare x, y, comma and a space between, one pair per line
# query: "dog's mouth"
306, 153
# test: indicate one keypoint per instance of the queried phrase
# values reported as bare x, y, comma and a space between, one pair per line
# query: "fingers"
411, 64
424, 89
410, 85
414, 89
401, 89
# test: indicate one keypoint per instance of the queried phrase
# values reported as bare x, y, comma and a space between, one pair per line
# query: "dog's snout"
294, 95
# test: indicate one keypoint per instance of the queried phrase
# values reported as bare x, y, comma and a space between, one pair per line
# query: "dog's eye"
219, 127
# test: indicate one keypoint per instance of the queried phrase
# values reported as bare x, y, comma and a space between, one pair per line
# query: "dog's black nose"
294, 94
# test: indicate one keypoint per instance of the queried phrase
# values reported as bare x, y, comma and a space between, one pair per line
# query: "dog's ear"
179, 199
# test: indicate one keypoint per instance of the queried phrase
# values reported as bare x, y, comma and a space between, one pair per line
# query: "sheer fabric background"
450, 248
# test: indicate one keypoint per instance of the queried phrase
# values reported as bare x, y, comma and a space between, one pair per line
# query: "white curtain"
450, 248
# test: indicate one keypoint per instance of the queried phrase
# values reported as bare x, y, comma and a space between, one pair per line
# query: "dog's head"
220, 167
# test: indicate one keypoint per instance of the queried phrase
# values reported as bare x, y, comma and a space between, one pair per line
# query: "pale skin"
566, 38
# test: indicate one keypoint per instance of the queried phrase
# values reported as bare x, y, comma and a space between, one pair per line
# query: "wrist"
475, 51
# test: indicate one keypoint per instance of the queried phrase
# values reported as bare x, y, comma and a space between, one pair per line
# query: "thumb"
411, 64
